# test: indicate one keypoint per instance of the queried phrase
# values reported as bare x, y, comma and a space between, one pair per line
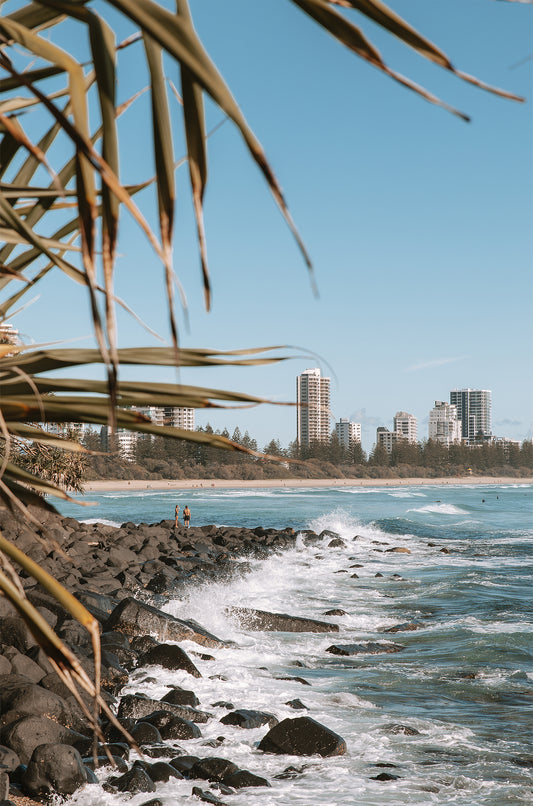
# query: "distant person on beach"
177, 515
186, 516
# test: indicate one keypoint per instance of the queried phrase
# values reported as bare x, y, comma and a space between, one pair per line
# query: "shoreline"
123, 485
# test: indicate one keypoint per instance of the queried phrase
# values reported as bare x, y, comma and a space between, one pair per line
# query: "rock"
136, 780
405, 626
213, 768
54, 768
337, 611
252, 619
385, 776
296, 680
337, 542
365, 648
243, 778
14, 632
9, 761
136, 618
4, 786
243, 718
27, 733
153, 802
133, 706
207, 797
25, 666
142, 643
401, 729
181, 696
289, 773
5, 666
169, 656
297, 705
160, 750
163, 772
33, 700
145, 733
398, 550
302, 736
173, 727
184, 764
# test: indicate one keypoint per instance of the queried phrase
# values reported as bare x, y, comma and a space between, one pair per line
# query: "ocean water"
461, 687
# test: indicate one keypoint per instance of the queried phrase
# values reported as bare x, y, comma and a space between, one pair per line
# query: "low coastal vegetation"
159, 458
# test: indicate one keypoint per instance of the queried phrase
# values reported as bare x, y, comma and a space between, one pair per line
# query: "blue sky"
419, 225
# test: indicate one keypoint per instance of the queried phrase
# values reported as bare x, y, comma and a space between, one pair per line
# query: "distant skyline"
419, 225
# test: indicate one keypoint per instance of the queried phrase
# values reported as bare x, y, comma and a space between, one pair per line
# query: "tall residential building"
474, 410
444, 426
179, 417
386, 438
406, 425
312, 408
348, 432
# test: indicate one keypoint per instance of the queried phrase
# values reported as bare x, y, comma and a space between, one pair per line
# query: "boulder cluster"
121, 576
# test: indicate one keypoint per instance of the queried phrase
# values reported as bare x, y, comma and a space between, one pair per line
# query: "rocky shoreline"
123, 576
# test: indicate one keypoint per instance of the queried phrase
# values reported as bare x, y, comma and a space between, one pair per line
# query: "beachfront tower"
474, 410
406, 425
312, 408
444, 426
348, 433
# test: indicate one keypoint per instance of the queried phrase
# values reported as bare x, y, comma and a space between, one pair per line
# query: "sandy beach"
189, 484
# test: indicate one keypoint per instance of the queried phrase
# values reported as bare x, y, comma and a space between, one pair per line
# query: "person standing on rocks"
177, 515
186, 516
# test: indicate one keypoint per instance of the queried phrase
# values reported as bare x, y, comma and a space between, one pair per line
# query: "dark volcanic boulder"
136, 780
169, 656
9, 760
34, 700
136, 618
243, 718
54, 768
252, 619
173, 727
181, 696
212, 769
133, 706
145, 733
302, 736
160, 771
27, 733
365, 648
207, 797
243, 778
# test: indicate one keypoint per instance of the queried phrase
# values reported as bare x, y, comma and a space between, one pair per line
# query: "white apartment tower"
474, 410
312, 408
406, 425
179, 417
444, 426
348, 432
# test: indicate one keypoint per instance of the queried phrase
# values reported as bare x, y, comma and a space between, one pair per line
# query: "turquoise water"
462, 683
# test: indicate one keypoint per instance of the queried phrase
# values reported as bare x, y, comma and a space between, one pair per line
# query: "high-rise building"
406, 425
444, 426
179, 417
348, 432
312, 408
386, 438
474, 410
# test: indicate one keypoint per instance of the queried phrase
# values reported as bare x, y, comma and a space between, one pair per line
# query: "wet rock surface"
121, 575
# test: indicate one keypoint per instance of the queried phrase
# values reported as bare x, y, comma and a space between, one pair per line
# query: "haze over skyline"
418, 224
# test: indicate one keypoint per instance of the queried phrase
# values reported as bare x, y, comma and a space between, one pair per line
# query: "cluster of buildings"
126, 441
465, 419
